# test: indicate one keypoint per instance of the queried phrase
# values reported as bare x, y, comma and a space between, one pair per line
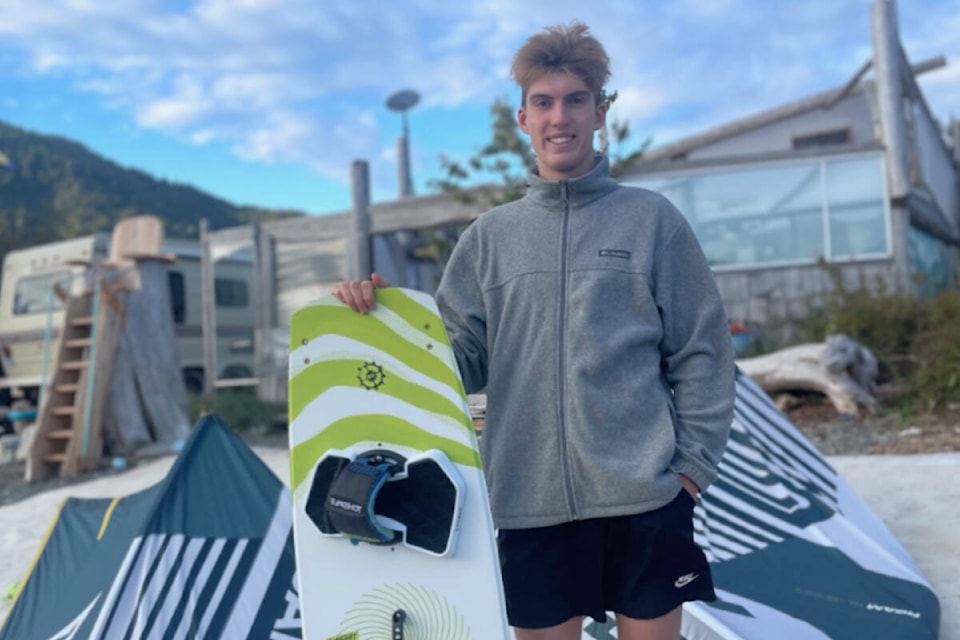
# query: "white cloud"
185, 107
389, 154
305, 81
635, 103
202, 136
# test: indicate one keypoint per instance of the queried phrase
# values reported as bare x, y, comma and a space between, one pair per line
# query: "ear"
522, 120
601, 116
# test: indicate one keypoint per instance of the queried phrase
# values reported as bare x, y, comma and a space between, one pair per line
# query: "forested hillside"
52, 188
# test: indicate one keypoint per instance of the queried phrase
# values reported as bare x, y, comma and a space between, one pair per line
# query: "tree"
506, 158
619, 160
508, 155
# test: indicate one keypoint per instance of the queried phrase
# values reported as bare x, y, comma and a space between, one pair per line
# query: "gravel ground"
893, 433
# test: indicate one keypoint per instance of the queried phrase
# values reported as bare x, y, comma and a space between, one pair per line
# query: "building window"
230, 293
786, 213
929, 262
822, 139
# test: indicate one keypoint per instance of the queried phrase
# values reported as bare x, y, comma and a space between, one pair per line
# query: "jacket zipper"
561, 369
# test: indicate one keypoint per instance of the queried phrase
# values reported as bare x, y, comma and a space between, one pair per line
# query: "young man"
588, 313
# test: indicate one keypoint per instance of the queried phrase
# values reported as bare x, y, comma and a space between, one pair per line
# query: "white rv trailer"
28, 278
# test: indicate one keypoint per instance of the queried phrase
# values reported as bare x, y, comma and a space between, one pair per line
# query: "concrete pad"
918, 498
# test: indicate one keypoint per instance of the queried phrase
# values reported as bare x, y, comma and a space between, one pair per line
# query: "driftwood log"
839, 368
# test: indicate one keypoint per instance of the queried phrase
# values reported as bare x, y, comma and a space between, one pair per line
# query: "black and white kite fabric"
795, 553
208, 553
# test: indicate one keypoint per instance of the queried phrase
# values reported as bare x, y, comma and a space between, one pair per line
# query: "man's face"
560, 117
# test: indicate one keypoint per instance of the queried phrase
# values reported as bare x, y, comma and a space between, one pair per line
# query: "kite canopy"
208, 552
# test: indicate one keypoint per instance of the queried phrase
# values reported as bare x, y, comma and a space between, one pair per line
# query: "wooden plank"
137, 236
109, 326
79, 343
265, 316
405, 214
51, 414
233, 383
47, 456
70, 465
359, 259
60, 434
208, 318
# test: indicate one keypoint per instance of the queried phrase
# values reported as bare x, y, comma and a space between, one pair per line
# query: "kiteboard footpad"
382, 498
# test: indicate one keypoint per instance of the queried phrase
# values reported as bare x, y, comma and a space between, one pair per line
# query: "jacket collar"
581, 191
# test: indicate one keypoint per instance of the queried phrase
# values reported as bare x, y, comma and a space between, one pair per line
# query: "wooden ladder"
69, 434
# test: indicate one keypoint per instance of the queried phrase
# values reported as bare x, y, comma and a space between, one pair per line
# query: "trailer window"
230, 293
33, 294
178, 302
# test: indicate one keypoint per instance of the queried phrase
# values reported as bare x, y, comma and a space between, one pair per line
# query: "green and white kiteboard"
392, 526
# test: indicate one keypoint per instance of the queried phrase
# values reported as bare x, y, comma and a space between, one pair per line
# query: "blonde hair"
562, 49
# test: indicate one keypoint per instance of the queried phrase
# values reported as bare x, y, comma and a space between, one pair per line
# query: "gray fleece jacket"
589, 314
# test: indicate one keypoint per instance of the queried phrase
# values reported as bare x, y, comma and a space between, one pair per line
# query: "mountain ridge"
53, 188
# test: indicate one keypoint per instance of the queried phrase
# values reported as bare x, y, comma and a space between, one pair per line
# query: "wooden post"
359, 264
889, 68
955, 139
208, 301
264, 299
889, 74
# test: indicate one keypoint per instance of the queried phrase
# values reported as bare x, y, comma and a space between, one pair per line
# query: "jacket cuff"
702, 475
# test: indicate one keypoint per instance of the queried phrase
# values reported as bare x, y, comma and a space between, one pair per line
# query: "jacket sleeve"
696, 355
461, 305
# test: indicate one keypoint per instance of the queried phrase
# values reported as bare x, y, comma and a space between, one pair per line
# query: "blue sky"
267, 102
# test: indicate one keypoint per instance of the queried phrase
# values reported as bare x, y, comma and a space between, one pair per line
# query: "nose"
560, 112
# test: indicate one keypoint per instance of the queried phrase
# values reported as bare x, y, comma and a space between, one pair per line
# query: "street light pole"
403, 101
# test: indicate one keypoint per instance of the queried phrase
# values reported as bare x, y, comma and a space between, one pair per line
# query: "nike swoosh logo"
683, 581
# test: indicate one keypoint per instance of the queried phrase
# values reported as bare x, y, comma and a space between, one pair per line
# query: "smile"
561, 139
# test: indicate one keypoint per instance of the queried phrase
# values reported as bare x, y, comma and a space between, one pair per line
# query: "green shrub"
936, 352
915, 339
884, 321
239, 407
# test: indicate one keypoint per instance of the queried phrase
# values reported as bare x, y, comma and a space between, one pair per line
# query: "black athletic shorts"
641, 566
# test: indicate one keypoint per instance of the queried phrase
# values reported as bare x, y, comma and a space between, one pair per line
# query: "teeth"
561, 140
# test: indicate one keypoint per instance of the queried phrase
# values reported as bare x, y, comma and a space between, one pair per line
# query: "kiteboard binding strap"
399, 617
349, 505
381, 497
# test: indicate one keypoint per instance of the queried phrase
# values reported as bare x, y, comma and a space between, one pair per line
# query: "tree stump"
148, 400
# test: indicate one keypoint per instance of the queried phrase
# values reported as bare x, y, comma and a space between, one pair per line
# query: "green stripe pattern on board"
399, 352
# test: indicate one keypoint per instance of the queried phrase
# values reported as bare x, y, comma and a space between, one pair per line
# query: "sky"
268, 102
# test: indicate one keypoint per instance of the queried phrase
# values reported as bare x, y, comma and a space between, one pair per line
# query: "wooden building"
858, 178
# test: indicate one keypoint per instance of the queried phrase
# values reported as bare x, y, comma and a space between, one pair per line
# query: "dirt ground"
832, 434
